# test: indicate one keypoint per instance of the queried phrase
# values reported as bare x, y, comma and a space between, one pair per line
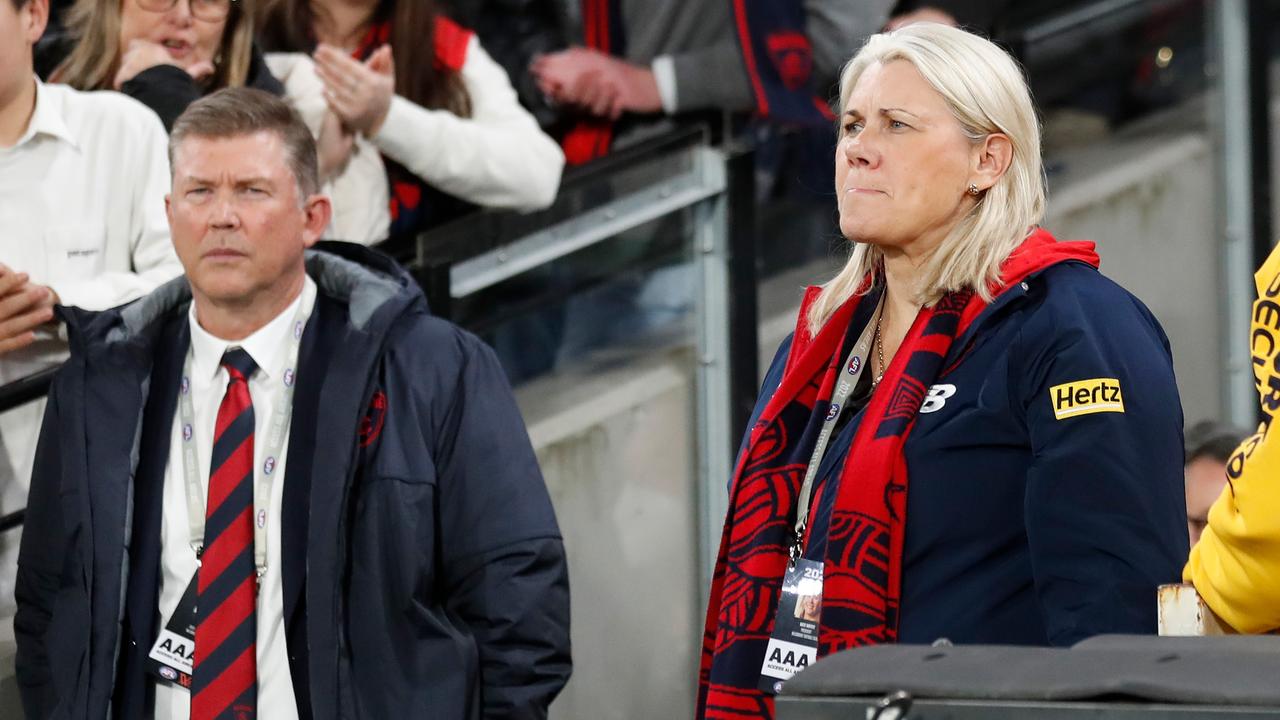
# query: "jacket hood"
1039, 252
1042, 250
375, 289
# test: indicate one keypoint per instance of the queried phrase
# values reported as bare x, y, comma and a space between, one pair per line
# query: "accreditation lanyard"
276, 429
850, 372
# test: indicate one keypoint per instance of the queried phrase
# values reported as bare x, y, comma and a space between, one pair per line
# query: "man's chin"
221, 293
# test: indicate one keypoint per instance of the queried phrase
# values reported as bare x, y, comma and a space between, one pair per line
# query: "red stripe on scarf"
863, 564
749, 58
590, 138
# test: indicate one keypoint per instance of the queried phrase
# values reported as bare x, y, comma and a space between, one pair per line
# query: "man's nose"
224, 215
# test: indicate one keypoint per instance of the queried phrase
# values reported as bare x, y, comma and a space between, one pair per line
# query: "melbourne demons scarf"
778, 58
863, 564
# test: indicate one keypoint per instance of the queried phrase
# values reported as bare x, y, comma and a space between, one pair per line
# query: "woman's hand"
143, 55
358, 93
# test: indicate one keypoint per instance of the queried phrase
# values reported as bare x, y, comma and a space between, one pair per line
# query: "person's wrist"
379, 119
644, 96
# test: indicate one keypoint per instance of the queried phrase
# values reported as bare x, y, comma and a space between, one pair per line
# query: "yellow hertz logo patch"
1085, 397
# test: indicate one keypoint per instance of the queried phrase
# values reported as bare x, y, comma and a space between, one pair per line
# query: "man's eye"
197, 192
898, 125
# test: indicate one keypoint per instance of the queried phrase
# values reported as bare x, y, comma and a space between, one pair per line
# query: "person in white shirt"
82, 182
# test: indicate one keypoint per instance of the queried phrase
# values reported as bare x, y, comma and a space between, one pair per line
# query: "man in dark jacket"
407, 563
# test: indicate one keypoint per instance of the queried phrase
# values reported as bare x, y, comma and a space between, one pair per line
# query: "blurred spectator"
1209, 444
977, 13
443, 113
672, 57
170, 53
514, 32
75, 229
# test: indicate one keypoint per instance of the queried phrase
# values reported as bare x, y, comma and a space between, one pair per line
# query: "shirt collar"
47, 118
266, 345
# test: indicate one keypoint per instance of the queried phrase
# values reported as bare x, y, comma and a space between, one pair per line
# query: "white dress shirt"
269, 349
81, 210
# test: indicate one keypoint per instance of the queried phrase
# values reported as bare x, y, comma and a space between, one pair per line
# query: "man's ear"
318, 211
35, 16
992, 159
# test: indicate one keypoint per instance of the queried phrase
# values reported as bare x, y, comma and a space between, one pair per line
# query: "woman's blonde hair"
95, 24
987, 94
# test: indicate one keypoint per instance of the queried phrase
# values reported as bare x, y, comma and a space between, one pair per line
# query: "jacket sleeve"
711, 78
1104, 508
150, 255
505, 571
498, 157
1236, 565
40, 562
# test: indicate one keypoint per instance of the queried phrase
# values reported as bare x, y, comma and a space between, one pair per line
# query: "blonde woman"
972, 433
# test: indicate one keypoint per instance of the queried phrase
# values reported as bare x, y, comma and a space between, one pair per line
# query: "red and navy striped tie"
224, 682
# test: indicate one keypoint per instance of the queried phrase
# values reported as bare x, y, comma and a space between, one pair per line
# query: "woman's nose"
859, 150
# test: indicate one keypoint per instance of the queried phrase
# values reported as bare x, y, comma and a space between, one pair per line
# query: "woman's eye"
852, 128
898, 125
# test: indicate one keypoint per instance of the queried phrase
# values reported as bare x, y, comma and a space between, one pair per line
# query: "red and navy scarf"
863, 563
778, 58
411, 198
602, 30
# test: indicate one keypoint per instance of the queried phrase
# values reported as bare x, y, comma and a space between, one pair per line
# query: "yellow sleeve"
1236, 565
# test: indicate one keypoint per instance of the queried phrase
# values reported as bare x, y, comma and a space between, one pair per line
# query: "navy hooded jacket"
1045, 499
423, 569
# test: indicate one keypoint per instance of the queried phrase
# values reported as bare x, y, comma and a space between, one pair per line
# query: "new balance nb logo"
937, 398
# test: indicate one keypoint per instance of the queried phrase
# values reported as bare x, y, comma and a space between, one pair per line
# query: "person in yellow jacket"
1236, 565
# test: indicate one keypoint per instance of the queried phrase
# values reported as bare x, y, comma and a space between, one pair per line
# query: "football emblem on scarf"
792, 55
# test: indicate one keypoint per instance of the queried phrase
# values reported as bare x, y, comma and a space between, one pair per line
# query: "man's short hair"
1212, 439
234, 112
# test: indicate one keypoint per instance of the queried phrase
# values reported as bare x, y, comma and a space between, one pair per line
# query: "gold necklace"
879, 353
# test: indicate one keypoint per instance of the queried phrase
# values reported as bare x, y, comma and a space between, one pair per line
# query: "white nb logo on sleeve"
937, 398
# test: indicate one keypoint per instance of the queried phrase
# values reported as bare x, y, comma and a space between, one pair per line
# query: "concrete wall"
618, 452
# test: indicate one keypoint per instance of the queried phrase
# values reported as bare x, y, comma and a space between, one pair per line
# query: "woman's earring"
973, 189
